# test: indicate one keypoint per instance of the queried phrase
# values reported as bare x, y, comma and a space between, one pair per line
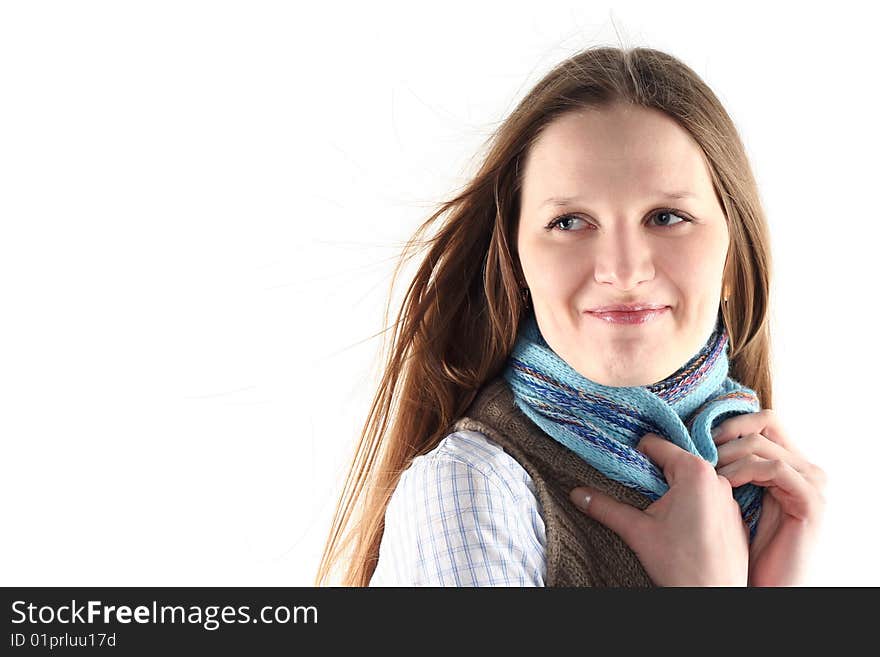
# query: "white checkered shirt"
464, 514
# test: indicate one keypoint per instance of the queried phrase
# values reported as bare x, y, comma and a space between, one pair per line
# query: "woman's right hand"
692, 536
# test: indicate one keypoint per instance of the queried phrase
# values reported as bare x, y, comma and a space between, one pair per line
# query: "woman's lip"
629, 317
626, 307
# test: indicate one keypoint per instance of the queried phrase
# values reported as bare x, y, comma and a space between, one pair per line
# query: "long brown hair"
459, 318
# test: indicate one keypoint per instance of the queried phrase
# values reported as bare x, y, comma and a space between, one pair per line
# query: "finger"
668, 456
624, 520
795, 494
760, 445
764, 422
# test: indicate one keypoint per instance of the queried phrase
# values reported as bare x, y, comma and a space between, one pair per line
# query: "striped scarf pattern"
603, 424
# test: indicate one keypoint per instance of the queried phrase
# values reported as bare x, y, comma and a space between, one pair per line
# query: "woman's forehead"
583, 156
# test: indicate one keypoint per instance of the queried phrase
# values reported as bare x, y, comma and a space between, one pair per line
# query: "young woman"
574, 391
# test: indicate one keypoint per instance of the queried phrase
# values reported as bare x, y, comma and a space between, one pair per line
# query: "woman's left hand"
753, 448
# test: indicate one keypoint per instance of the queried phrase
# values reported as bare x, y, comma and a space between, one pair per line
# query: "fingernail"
581, 497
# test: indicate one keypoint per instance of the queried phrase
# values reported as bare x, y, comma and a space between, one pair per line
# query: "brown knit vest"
580, 551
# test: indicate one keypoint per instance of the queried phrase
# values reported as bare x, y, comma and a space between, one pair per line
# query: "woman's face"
614, 247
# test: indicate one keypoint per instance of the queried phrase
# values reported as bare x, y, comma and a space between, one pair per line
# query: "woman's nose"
623, 260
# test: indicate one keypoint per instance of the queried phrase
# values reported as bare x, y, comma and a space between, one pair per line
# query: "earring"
525, 296
726, 295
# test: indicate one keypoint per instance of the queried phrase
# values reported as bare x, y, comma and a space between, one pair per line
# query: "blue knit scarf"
603, 424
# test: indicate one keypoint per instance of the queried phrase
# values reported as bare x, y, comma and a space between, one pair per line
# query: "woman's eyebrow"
565, 200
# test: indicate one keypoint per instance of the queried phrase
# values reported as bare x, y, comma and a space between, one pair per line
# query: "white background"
200, 203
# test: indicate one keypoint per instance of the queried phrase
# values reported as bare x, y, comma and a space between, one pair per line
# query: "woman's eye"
564, 222
669, 213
